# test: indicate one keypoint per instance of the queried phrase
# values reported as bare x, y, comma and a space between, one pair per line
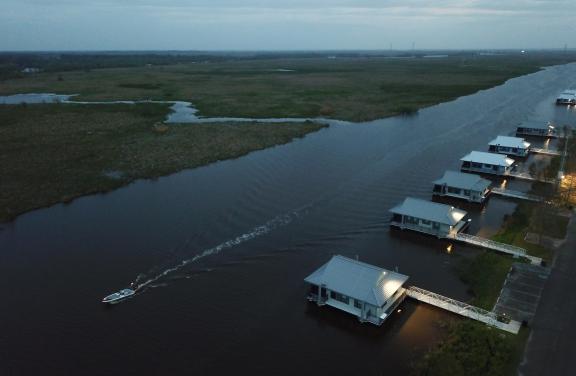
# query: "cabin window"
495, 168
476, 165
454, 190
437, 188
357, 304
466, 192
465, 164
339, 297
436, 226
397, 218
411, 220
426, 223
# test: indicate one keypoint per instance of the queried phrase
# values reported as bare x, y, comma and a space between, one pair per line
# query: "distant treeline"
13, 64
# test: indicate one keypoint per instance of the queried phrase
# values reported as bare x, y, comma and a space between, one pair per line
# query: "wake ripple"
279, 221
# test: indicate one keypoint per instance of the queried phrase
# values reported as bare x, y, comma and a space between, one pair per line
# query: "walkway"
495, 246
463, 309
527, 176
545, 151
516, 194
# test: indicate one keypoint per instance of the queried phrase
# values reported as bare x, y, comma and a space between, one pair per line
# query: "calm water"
257, 226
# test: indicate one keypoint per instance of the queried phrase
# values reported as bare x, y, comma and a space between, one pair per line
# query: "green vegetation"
344, 88
471, 349
540, 219
485, 275
54, 153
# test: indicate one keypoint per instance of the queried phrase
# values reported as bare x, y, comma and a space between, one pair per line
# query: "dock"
495, 246
545, 151
528, 177
463, 309
516, 194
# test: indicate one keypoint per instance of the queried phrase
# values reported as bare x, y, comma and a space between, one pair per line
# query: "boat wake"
279, 221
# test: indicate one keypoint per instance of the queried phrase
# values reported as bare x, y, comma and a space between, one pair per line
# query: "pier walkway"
545, 151
496, 246
527, 176
516, 194
463, 309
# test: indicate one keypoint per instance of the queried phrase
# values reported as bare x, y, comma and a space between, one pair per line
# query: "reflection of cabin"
488, 163
536, 128
428, 217
509, 146
368, 292
461, 185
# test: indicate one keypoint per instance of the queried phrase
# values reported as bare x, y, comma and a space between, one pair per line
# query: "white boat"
118, 296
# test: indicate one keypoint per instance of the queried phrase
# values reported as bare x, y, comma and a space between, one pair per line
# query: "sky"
28, 25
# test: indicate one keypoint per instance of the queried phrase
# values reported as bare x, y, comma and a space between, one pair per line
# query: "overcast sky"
285, 24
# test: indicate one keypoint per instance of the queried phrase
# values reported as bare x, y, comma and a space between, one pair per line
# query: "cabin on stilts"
510, 146
365, 291
428, 217
487, 163
469, 187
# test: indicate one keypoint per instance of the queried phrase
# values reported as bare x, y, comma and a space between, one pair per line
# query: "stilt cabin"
365, 291
470, 187
538, 129
567, 97
487, 163
428, 217
510, 146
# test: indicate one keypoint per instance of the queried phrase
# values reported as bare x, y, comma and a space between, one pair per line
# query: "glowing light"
503, 184
399, 310
449, 248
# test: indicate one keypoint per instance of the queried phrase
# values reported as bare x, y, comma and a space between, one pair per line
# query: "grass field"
344, 88
54, 153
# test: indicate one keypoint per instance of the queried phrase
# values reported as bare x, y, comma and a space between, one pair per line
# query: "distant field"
343, 88
55, 153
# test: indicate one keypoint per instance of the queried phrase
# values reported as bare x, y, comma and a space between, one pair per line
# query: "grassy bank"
54, 153
343, 88
539, 219
474, 349
470, 347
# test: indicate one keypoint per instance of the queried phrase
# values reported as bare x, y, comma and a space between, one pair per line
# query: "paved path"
551, 348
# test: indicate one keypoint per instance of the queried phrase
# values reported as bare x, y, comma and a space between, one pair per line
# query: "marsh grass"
54, 153
356, 89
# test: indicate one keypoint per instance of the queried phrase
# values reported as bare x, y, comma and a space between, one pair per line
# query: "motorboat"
118, 296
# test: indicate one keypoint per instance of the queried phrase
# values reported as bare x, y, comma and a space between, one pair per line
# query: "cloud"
274, 24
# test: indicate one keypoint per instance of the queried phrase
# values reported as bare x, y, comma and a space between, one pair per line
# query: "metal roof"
463, 181
567, 96
535, 125
511, 142
488, 158
430, 211
358, 280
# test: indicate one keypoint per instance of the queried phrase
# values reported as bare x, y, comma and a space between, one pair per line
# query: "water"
238, 237
180, 111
